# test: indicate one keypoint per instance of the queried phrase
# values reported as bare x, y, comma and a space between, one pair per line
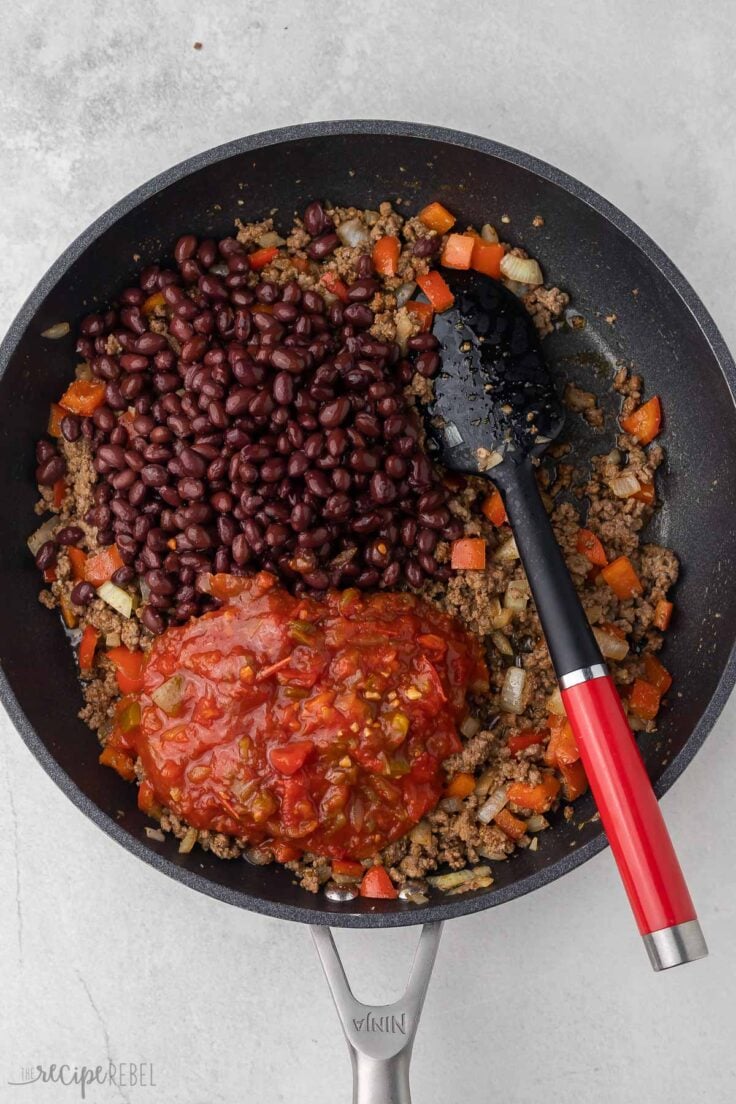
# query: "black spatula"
495, 411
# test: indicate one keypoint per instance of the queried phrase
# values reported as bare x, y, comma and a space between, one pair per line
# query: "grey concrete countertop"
103, 958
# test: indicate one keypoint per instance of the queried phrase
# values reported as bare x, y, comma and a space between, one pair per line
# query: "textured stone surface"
100, 956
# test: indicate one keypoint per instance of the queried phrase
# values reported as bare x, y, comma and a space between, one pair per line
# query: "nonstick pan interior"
585, 246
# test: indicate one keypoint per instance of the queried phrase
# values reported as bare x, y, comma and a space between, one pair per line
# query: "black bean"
334, 413
427, 246
315, 219
382, 488
359, 316
153, 475
362, 290
70, 427
50, 471
152, 620
122, 576
82, 594
323, 245
287, 360
428, 364
70, 534
46, 555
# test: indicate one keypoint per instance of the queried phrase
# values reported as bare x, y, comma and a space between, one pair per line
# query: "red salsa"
318, 724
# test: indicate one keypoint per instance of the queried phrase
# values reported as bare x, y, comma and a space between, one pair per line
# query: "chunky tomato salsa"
319, 725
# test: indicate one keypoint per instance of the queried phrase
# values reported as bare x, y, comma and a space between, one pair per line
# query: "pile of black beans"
270, 431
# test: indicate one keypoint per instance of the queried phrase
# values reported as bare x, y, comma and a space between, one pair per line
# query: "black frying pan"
587, 247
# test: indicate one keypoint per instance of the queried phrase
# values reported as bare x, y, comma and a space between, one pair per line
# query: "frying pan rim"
383, 916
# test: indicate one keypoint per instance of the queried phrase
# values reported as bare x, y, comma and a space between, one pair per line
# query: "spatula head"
495, 399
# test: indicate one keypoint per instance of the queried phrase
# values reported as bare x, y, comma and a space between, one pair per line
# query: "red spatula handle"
632, 820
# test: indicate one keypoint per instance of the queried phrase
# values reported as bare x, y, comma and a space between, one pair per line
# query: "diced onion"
524, 270
270, 239
611, 646
457, 878
60, 329
512, 692
155, 834
502, 619
488, 233
517, 595
168, 695
488, 458
506, 552
188, 841
451, 804
354, 232
469, 727
371, 217
421, 834
404, 294
537, 823
502, 642
116, 597
42, 535
593, 613
624, 486
493, 806
404, 330
554, 703
489, 853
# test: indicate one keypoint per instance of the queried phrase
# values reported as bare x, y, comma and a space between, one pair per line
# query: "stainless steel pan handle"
380, 1037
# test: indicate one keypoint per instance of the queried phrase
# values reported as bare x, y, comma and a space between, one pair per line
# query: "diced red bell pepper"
487, 257
87, 646
436, 217
423, 313
528, 737
494, 509
645, 494
335, 285
153, 303
589, 545
657, 674
662, 615
77, 559
120, 761
645, 422
147, 797
386, 255
435, 287
562, 746
509, 824
622, 578
128, 668
56, 413
458, 251
262, 257
101, 566
537, 797
644, 700
83, 396
574, 780
469, 554
59, 492
461, 785
377, 883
